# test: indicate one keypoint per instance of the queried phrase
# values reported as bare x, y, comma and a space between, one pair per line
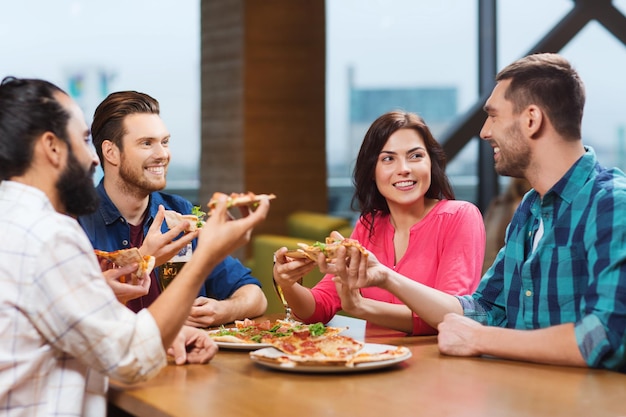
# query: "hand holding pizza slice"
239, 199
124, 257
329, 248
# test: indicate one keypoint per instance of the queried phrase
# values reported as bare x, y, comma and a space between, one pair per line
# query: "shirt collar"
575, 178
111, 214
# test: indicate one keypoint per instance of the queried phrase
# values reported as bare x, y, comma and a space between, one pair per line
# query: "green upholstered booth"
303, 227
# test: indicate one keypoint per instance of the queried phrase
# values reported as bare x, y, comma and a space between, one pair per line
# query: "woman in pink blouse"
409, 220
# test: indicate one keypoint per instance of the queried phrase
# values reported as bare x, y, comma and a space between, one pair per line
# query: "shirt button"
529, 293
125, 242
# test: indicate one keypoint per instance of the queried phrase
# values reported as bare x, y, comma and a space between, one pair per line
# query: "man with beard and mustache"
132, 143
63, 330
556, 292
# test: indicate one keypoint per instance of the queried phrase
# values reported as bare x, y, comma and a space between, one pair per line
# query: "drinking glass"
167, 272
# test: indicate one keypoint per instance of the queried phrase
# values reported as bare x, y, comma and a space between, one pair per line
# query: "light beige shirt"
62, 331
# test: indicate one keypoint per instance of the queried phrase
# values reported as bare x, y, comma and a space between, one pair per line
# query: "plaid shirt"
61, 327
577, 274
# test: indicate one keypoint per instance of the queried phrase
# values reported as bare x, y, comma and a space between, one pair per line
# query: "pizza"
239, 199
266, 331
329, 248
129, 256
385, 355
195, 220
334, 351
173, 219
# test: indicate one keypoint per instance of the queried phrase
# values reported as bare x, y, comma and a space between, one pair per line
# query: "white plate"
258, 355
239, 346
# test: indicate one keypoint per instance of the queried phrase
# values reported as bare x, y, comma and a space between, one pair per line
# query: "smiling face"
146, 153
403, 169
511, 152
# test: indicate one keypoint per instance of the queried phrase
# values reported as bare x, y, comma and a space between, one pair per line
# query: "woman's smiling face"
403, 169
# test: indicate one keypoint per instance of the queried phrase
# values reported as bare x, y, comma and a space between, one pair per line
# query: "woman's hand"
288, 271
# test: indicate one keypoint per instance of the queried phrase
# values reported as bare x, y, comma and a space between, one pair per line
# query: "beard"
515, 157
134, 183
76, 188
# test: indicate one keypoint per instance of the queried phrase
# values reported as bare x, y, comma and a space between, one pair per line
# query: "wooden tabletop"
427, 384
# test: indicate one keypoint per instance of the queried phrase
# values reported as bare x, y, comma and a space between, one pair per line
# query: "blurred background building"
353, 59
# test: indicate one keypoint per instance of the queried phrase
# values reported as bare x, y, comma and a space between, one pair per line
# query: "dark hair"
28, 108
109, 117
548, 81
370, 200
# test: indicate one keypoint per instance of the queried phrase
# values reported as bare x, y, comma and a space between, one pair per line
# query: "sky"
153, 46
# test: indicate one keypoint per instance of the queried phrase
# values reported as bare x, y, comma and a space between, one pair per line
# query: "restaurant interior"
263, 123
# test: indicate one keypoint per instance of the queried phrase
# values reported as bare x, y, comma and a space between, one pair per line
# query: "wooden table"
428, 384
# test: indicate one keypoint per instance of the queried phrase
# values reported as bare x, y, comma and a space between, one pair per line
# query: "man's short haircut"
549, 81
108, 119
28, 108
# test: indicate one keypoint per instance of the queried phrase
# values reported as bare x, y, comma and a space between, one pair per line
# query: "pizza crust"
173, 219
239, 199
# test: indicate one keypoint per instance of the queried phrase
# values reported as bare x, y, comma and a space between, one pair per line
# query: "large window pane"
384, 55
92, 48
598, 56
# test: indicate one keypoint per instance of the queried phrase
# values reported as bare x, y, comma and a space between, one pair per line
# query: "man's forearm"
554, 345
429, 303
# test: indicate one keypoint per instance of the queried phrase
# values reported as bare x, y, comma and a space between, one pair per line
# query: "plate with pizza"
353, 358
251, 335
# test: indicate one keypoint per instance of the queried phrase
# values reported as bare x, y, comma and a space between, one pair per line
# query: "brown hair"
548, 81
369, 199
109, 117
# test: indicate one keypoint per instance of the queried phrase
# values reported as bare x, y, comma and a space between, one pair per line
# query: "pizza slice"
239, 199
174, 218
297, 254
327, 350
386, 355
329, 248
129, 256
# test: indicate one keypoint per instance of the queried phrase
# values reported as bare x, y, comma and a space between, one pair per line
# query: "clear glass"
281, 296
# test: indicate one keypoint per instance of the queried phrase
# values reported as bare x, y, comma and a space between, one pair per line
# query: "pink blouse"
446, 251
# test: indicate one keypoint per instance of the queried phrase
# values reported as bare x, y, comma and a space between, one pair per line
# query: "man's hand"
124, 291
221, 235
457, 335
162, 245
192, 345
206, 312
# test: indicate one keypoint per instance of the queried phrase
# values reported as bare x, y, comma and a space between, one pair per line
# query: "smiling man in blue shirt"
556, 292
132, 143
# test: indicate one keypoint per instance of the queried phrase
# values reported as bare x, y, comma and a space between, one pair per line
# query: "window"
91, 49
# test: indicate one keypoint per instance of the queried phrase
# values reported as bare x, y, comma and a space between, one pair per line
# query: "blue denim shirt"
107, 230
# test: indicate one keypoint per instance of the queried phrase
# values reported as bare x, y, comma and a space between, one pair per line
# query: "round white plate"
239, 346
258, 356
